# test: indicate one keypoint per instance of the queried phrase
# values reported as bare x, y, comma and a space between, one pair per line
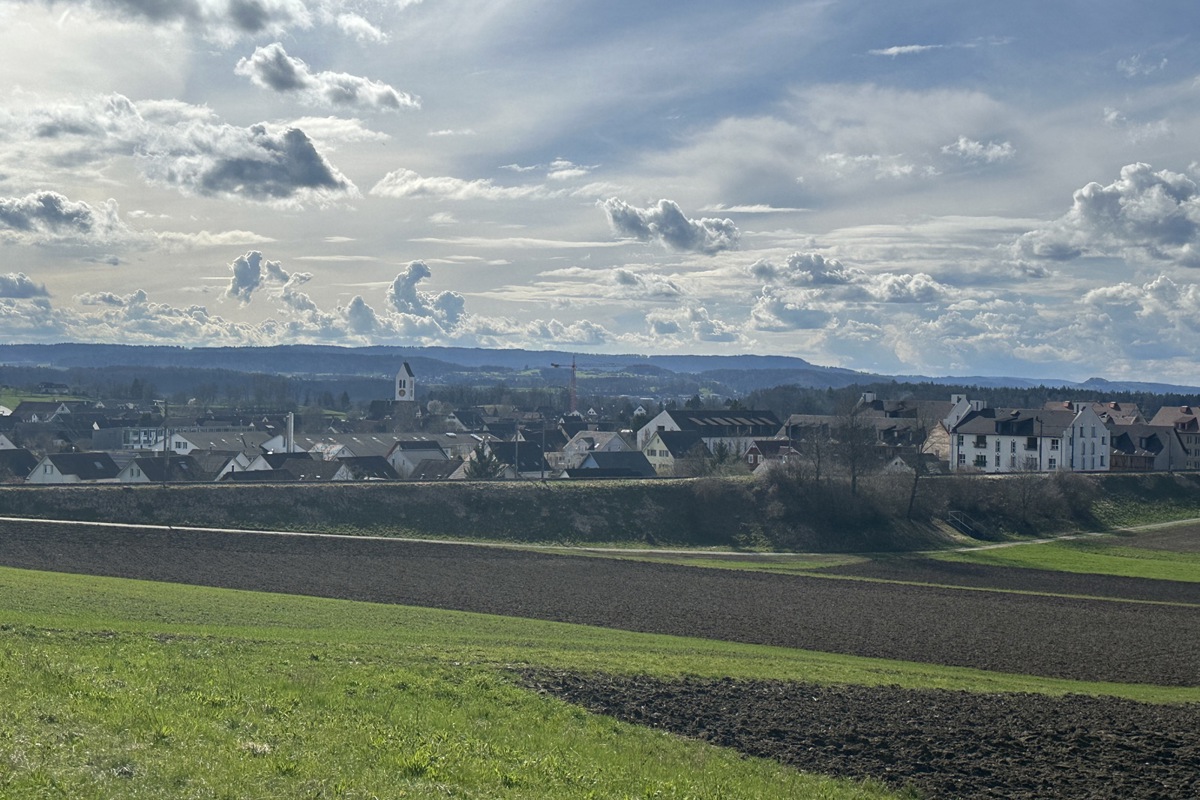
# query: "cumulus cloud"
270, 67
971, 150
19, 286
1147, 214
445, 308
173, 144
666, 224
251, 271
255, 163
806, 269
49, 217
692, 323
359, 28
406, 183
896, 288
775, 310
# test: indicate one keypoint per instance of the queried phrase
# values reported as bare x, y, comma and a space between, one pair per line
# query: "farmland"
1006, 650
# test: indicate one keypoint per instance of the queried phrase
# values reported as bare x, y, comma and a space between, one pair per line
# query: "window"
1101, 461
1012, 446
1093, 431
997, 444
1012, 462
47, 469
962, 459
960, 440
980, 442
1103, 440
997, 462
1052, 463
981, 461
1054, 444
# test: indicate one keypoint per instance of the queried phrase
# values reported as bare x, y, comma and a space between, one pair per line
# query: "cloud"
220, 20
249, 272
270, 67
883, 167
693, 323
49, 217
359, 28
666, 224
1147, 214
1134, 67
803, 269
1138, 132
406, 183
254, 163
971, 150
896, 288
445, 308
775, 310
906, 49
172, 144
19, 286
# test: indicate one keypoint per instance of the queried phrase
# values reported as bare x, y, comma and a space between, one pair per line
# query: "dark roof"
434, 470
680, 443
366, 468
1040, 422
88, 466
417, 445
771, 447
530, 454
174, 469
18, 463
283, 460
259, 476
717, 423
632, 462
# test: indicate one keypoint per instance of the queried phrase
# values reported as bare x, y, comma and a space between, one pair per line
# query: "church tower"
406, 385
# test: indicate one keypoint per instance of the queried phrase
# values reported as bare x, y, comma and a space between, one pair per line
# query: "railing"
963, 524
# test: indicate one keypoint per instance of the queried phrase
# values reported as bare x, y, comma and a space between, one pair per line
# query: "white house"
75, 468
736, 430
997, 440
586, 442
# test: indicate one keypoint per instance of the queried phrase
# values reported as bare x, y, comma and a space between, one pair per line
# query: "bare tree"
855, 440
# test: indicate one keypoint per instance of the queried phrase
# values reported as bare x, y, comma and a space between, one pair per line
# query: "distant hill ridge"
743, 373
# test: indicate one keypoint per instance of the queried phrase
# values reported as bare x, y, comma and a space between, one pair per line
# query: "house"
909, 463
247, 441
6, 443
665, 450
405, 455
368, 468
16, 464
74, 468
1038, 440
621, 464
1183, 419
219, 462
275, 461
159, 469
520, 459
1146, 448
435, 470
735, 430
586, 442
764, 450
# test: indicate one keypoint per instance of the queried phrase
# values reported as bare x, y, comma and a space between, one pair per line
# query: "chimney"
290, 443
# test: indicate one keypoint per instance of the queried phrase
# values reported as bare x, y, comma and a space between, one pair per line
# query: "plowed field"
948, 744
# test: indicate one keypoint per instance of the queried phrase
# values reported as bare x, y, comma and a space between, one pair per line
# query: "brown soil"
947, 744
952, 573
943, 744
1050, 636
1176, 540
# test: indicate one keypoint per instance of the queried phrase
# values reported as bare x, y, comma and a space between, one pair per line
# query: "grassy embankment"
130, 689
739, 514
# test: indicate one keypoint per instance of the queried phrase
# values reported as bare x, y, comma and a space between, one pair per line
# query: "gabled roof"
1038, 422
713, 423
430, 470
17, 462
174, 469
630, 462
87, 466
283, 460
370, 468
680, 443
530, 454
249, 442
312, 470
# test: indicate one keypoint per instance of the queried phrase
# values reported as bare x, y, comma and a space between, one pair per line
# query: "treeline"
784, 400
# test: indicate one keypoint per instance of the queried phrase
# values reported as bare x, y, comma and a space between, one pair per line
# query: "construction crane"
571, 387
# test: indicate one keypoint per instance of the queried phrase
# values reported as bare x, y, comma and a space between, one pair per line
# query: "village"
84, 441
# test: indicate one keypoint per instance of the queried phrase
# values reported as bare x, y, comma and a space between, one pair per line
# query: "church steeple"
406, 385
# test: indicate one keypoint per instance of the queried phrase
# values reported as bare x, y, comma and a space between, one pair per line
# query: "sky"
919, 188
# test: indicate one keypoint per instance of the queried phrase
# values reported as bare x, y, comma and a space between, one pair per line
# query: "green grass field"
1101, 555
130, 689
